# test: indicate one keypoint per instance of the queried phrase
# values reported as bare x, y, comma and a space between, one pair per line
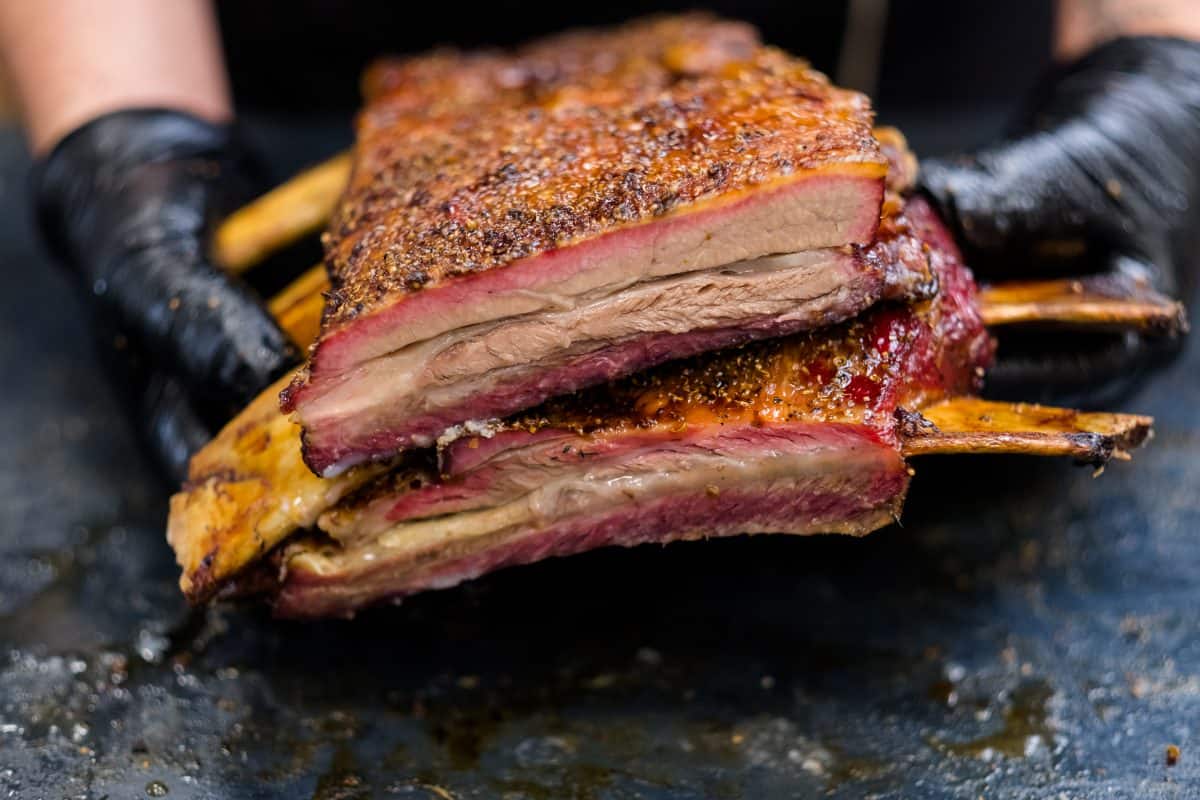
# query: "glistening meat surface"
794, 435
249, 490
410, 397
825, 481
489, 190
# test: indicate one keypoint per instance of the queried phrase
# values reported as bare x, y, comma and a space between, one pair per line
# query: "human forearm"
73, 60
128, 113
1084, 24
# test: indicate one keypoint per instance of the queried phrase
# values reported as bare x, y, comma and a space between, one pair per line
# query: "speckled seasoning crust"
490, 187
793, 435
249, 489
523, 154
801, 434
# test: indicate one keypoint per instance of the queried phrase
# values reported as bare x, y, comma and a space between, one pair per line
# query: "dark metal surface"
1030, 631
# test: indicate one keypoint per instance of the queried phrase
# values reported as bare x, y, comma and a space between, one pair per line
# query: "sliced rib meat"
793, 435
249, 489
523, 225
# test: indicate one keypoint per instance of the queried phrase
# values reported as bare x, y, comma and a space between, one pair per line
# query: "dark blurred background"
924, 58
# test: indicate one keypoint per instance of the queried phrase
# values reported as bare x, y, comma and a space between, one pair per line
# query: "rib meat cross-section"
249, 490
522, 225
793, 435
566, 218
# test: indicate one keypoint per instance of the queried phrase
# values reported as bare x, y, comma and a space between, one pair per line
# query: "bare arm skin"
1084, 24
73, 60
128, 112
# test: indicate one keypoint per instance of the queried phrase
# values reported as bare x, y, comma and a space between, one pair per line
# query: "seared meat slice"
520, 226
826, 479
249, 489
412, 396
730, 414
795, 435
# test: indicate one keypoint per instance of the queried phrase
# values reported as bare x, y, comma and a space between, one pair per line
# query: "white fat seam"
579, 493
487, 428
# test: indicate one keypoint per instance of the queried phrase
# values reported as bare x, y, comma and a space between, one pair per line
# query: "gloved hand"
128, 201
1102, 175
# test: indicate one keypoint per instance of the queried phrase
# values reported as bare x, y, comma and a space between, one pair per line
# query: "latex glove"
128, 201
1102, 175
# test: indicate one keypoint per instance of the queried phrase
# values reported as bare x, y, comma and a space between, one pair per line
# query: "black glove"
1102, 175
128, 201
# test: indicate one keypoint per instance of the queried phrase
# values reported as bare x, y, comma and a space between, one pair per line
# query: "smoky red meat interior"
794, 435
653, 283
518, 227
